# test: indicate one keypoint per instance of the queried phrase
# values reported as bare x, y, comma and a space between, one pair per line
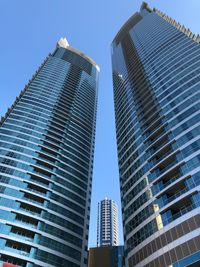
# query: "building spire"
62, 42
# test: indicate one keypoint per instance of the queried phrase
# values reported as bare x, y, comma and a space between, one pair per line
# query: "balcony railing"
32, 200
164, 201
21, 252
158, 187
158, 173
36, 191
29, 211
21, 237
156, 161
180, 213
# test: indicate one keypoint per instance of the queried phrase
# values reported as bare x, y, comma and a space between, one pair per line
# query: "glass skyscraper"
156, 78
107, 223
46, 158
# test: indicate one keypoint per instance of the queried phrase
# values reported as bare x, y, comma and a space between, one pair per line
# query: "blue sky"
30, 30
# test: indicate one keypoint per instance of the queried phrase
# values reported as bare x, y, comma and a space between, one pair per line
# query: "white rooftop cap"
63, 43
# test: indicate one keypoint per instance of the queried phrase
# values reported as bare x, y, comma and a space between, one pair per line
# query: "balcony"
37, 192
152, 136
33, 198
36, 189
9, 259
163, 167
175, 173
38, 180
172, 193
149, 119
154, 125
145, 104
45, 158
26, 220
30, 209
168, 163
161, 155
41, 172
147, 113
155, 136
160, 144
168, 180
180, 208
44, 164
49, 151
22, 233
17, 247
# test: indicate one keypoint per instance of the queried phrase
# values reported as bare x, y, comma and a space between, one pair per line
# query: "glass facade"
46, 158
156, 80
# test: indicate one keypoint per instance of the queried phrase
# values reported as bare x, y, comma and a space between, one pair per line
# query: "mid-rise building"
107, 223
156, 78
46, 159
106, 256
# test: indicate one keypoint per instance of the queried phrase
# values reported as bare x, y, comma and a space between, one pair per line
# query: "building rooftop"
62, 42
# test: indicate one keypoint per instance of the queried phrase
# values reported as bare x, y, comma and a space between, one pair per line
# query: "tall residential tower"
107, 223
46, 158
108, 253
156, 77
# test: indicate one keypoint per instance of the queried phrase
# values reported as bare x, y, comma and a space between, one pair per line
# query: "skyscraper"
156, 78
107, 223
46, 158
108, 253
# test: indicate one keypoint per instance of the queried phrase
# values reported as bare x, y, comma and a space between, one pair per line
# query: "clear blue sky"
30, 30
